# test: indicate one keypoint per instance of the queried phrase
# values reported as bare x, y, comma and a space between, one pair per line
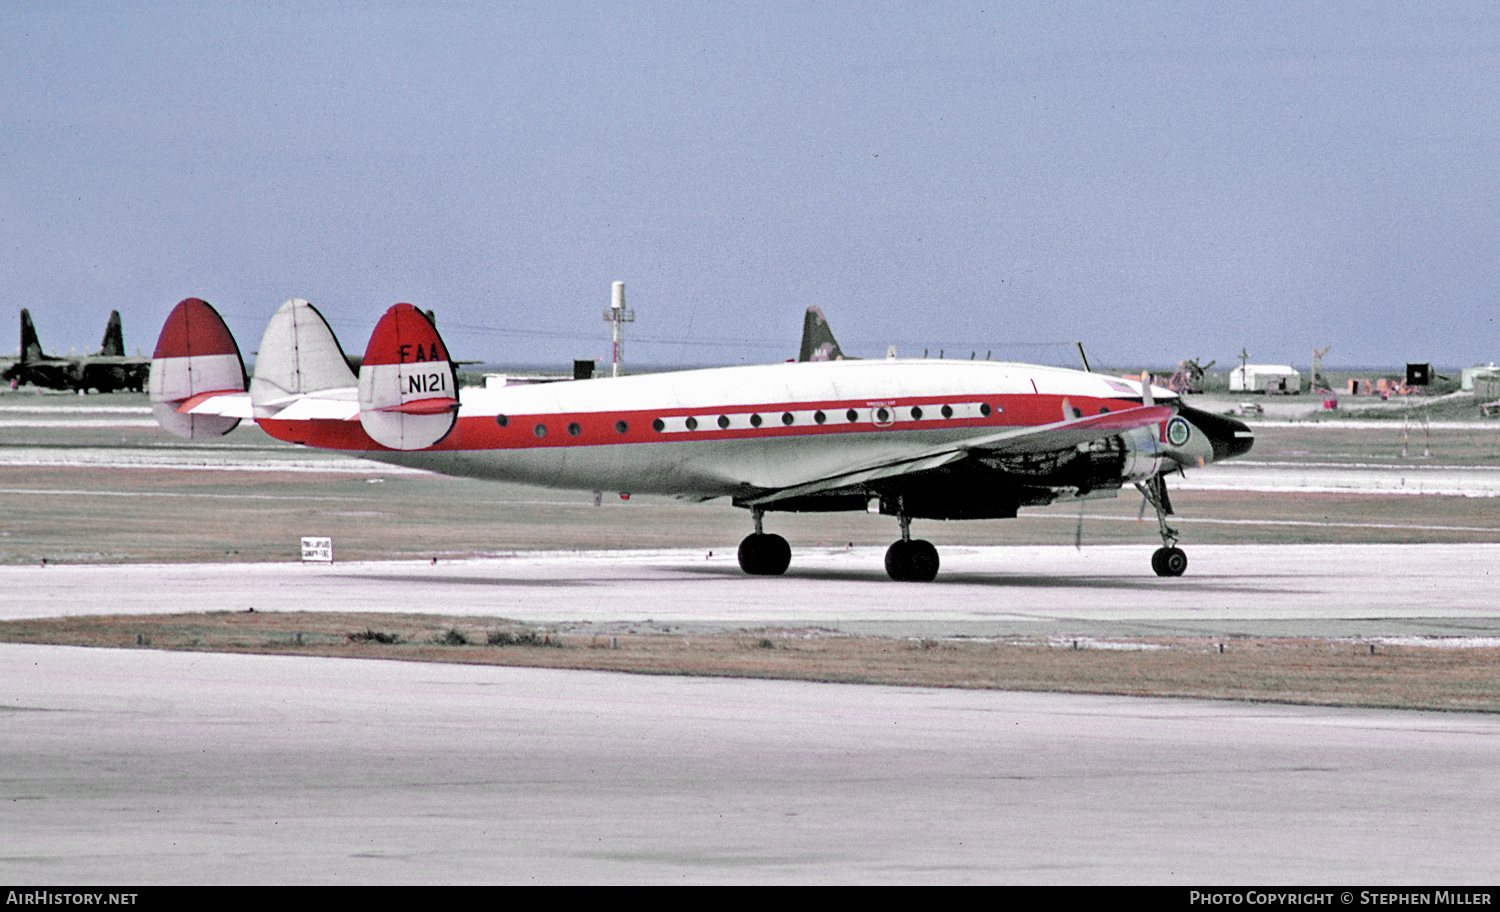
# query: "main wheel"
914, 561
763, 554
1169, 562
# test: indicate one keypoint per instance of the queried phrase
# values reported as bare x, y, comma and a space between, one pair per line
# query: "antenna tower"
618, 314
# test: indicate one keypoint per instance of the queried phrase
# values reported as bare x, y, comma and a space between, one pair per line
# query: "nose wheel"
1168, 560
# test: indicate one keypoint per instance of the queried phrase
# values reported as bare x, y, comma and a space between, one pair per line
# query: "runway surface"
1263, 590
130, 767
140, 767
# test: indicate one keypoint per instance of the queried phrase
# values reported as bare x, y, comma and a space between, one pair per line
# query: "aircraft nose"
1228, 436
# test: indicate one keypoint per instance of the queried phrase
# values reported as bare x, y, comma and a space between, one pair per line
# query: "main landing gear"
762, 554
911, 560
1168, 560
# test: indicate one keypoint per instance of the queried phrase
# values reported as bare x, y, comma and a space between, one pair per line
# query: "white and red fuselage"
914, 438
735, 430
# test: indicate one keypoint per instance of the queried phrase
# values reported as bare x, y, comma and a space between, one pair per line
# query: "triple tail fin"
299, 356
408, 392
196, 360
113, 345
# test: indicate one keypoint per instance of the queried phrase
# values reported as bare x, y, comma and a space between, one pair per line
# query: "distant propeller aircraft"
911, 439
106, 370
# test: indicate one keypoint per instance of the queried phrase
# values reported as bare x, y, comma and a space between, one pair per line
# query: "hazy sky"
1158, 180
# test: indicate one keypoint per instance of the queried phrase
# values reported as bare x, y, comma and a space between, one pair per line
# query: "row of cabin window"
574, 428
881, 414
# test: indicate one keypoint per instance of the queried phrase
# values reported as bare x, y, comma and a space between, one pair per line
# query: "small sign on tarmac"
317, 549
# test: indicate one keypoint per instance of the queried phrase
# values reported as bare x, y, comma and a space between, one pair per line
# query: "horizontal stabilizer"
196, 358
321, 408
408, 393
435, 406
225, 405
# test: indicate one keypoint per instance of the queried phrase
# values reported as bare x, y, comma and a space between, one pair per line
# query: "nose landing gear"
1168, 560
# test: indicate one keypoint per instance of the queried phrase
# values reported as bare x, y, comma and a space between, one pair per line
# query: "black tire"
914, 561
762, 554
1169, 562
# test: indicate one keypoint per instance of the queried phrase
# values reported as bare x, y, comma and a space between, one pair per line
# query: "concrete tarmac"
142, 767
1448, 590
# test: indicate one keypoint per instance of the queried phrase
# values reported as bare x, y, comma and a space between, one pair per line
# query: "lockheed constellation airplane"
912, 439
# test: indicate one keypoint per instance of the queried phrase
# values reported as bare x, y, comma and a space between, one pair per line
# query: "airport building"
1265, 378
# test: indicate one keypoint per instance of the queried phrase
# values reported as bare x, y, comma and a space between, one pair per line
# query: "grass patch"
372, 636
524, 638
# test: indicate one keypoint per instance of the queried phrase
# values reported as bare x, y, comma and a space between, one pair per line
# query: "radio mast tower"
618, 314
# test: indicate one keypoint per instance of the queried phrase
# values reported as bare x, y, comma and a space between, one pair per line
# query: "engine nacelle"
1108, 462
1142, 454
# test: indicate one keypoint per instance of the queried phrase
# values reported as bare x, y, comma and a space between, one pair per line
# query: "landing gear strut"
911, 560
762, 554
1168, 560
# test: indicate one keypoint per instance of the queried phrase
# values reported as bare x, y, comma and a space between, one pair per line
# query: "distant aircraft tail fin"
196, 360
113, 345
298, 356
818, 343
31, 349
408, 392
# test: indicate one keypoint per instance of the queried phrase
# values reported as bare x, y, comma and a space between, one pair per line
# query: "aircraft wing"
1044, 438
1049, 437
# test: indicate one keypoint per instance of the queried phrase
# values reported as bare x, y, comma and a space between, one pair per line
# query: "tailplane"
197, 374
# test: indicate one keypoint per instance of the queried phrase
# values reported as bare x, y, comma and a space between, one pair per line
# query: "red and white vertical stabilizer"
300, 369
408, 394
197, 376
